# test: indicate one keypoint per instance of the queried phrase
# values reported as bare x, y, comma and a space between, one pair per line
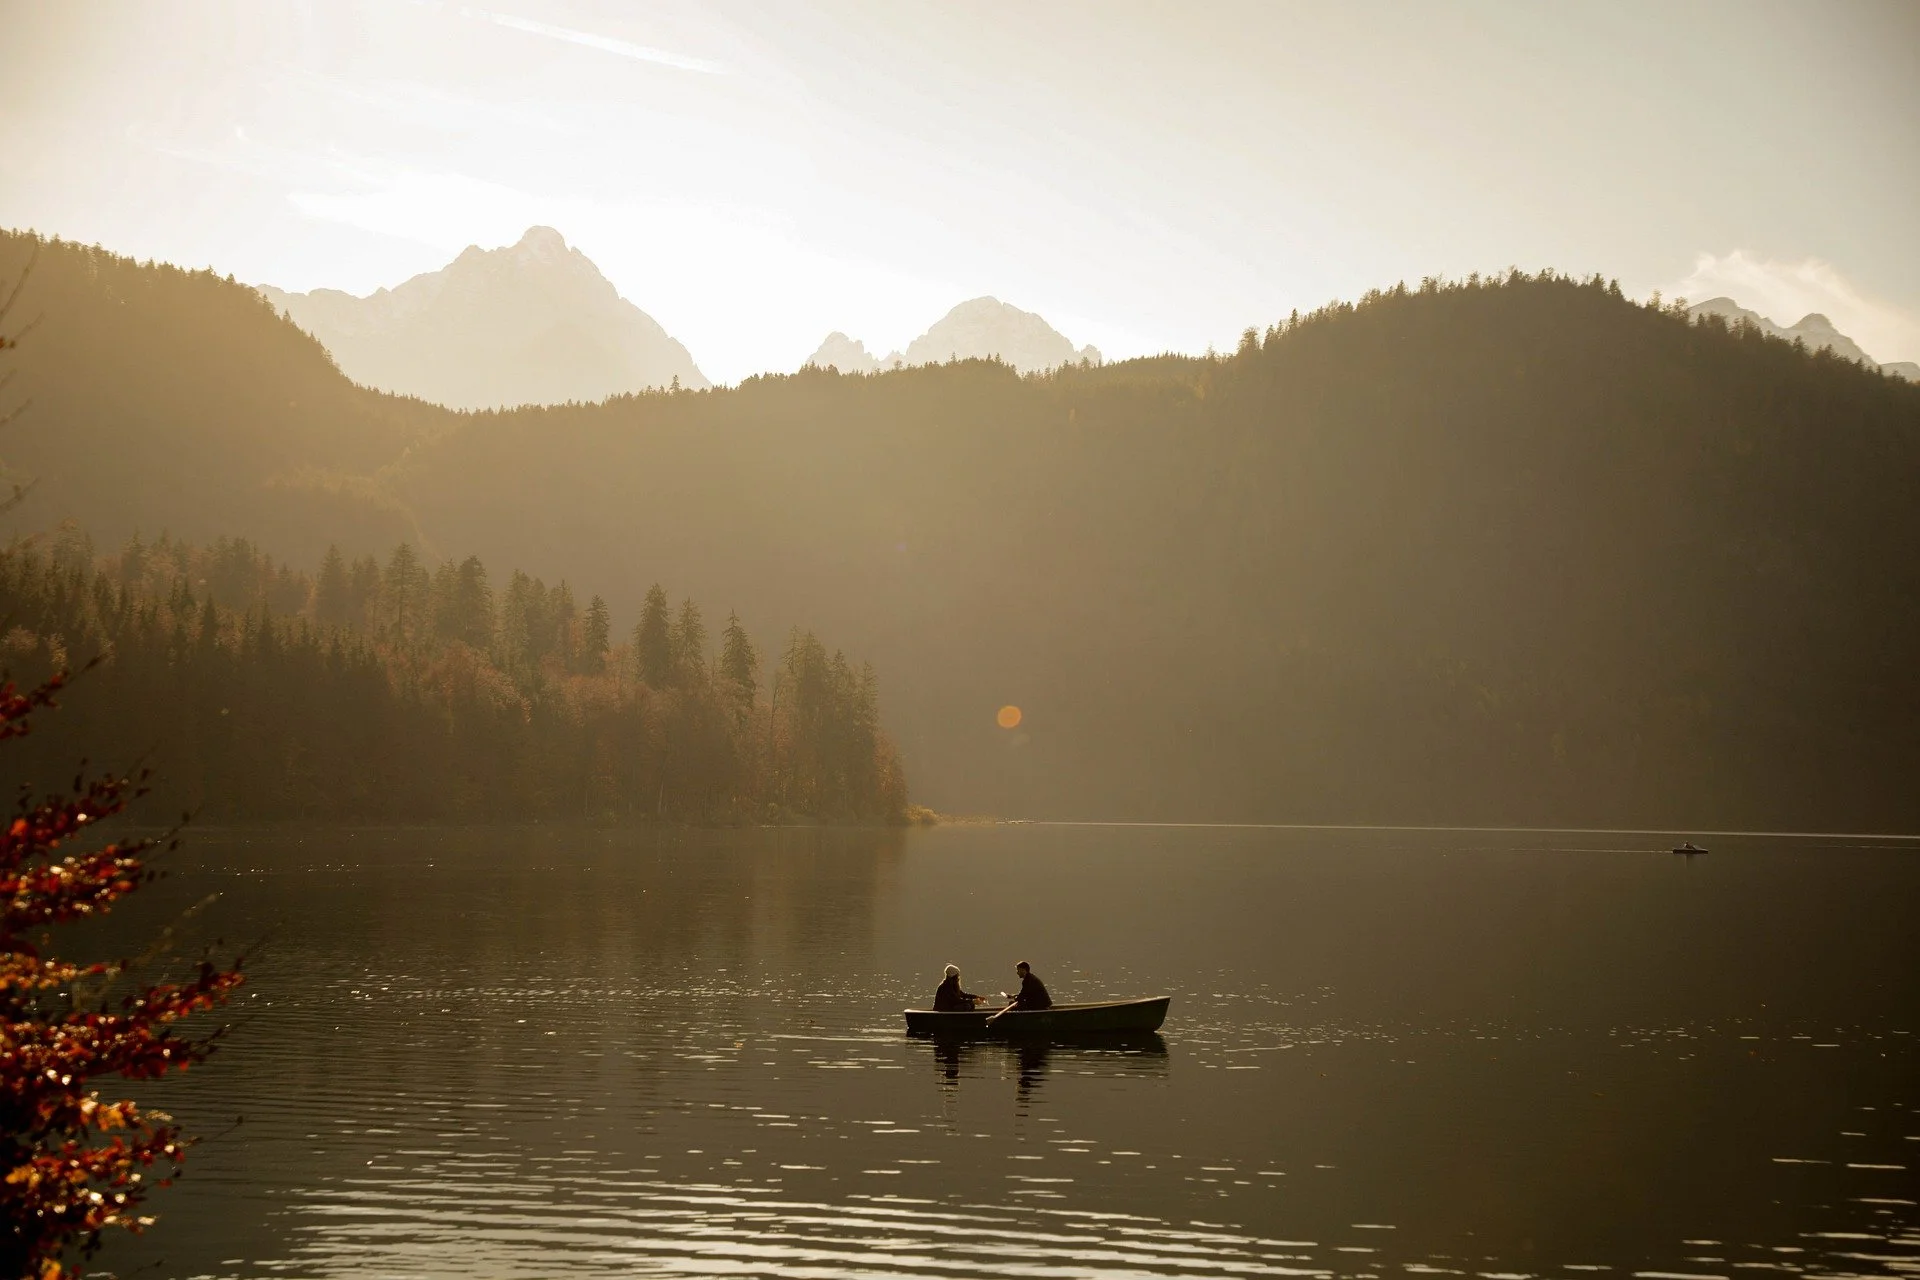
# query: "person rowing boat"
1033, 992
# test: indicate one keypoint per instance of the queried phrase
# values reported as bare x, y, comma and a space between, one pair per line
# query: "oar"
1003, 1013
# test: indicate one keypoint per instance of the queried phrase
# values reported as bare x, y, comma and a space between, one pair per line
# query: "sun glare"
1008, 717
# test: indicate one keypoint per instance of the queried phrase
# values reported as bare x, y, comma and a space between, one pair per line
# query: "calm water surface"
537, 1053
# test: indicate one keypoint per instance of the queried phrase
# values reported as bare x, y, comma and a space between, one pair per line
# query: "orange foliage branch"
73, 1165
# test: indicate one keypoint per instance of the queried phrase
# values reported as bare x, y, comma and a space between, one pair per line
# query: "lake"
539, 1053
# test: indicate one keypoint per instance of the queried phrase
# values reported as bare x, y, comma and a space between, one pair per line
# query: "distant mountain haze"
532, 323
844, 354
1813, 329
978, 329
1523, 552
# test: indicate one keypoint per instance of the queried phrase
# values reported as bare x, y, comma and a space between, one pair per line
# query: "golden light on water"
1008, 717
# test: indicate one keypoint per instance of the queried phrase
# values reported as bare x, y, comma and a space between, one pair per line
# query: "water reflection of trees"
502, 988
475, 942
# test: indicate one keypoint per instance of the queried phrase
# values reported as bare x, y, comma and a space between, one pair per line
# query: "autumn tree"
74, 1164
269, 716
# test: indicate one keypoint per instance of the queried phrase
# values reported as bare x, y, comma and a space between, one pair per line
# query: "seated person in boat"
950, 998
1033, 992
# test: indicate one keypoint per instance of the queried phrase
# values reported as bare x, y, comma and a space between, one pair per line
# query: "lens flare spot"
1008, 718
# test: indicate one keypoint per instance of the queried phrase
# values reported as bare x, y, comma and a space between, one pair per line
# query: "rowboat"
1110, 1017
1689, 848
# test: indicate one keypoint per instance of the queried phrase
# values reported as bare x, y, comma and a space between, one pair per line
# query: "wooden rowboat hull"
1114, 1017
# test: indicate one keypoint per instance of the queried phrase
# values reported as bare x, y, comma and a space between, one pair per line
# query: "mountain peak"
978, 329
1814, 329
985, 326
848, 355
543, 242
534, 322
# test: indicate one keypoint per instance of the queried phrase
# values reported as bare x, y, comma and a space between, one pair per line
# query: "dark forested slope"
157, 397
1513, 551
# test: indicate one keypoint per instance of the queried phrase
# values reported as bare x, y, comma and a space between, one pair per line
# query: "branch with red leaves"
71, 1164
16, 706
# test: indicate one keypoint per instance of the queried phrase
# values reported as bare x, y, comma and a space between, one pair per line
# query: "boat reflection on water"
1030, 1059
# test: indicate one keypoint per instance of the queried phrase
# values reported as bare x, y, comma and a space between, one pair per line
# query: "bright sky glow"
1145, 177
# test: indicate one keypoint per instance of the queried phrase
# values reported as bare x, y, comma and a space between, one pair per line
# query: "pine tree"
520, 618
72, 548
295, 718
234, 573
208, 638
133, 560
561, 614
332, 598
440, 602
739, 666
653, 641
688, 641
403, 595
463, 603
596, 636
473, 609
363, 592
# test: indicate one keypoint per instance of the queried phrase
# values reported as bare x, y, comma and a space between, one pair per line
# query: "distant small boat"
1689, 848
1107, 1018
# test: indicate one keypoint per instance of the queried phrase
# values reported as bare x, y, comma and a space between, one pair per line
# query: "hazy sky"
1147, 177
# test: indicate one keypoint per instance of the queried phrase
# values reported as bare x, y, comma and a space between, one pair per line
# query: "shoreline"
933, 819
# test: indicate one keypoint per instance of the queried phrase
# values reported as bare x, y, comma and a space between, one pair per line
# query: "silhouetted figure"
950, 998
1033, 992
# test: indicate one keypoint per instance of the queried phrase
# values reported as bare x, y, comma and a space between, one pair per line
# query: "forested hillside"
1511, 551
391, 692
159, 397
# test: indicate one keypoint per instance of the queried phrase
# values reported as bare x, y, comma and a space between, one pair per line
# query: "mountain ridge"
1520, 552
1813, 329
534, 322
982, 328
